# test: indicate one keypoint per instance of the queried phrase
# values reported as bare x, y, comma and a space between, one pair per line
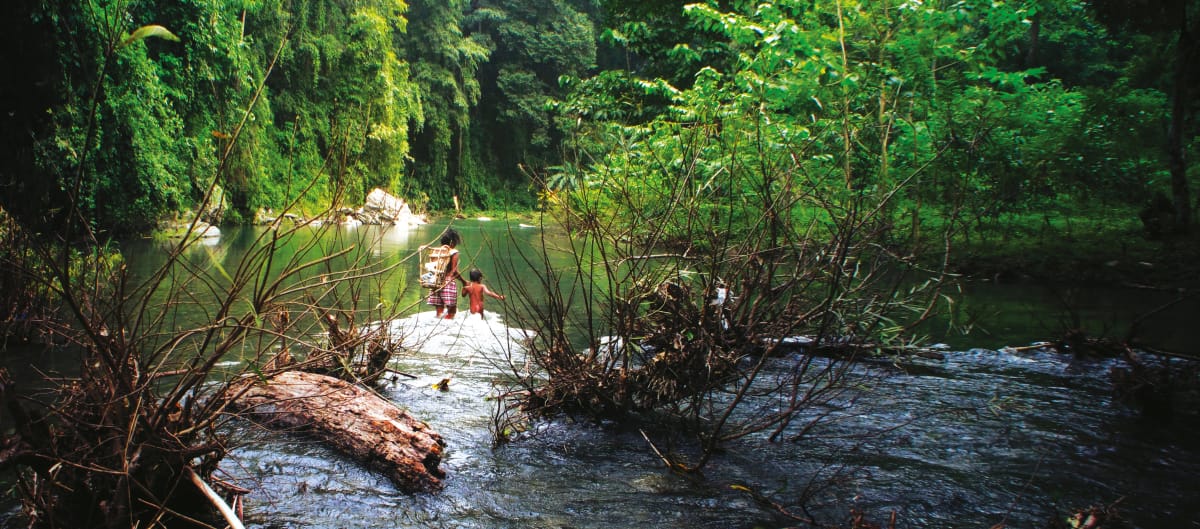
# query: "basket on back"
435, 260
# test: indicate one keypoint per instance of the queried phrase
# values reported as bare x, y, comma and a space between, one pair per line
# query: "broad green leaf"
146, 32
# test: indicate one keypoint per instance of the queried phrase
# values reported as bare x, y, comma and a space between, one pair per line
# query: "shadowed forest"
997, 117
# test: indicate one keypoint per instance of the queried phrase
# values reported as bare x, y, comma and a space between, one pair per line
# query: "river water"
983, 436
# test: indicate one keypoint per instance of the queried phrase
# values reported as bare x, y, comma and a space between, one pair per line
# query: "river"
983, 436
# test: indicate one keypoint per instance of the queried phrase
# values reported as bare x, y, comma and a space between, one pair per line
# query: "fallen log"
357, 422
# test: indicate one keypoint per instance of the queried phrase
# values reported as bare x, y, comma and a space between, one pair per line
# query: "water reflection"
1007, 314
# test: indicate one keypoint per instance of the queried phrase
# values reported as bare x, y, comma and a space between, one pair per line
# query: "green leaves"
146, 32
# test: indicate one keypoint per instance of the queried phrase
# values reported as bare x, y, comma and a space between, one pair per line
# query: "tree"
534, 44
133, 438
659, 40
1178, 20
706, 236
103, 111
29, 191
444, 63
343, 94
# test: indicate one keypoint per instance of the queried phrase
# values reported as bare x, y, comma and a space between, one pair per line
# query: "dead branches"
113, 442
354, 354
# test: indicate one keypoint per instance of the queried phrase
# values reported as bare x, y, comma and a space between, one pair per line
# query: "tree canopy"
1002, 106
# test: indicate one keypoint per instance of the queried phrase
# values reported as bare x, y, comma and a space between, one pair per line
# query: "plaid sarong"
446, 296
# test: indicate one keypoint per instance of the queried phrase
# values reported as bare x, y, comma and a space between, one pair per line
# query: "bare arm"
453, 274
489, 292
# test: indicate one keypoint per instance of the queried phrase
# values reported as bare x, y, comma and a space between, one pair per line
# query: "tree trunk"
1175, 154
1035, 40
352, 419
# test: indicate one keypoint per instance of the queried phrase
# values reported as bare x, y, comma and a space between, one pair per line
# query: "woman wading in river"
445, 298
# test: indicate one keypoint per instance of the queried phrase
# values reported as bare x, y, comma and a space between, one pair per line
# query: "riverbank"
1083, 244
1102, 258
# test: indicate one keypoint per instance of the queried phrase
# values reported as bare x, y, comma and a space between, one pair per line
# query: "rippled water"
974, 439
567, 474
978, 438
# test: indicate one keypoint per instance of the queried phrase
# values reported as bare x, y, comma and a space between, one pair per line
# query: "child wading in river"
476, 290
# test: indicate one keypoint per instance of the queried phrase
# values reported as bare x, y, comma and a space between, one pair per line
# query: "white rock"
207, 231
383, 206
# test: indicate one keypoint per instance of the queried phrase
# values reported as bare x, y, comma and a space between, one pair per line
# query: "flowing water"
977, 438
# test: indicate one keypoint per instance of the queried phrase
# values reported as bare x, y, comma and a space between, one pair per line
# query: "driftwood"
360, 423
231, 517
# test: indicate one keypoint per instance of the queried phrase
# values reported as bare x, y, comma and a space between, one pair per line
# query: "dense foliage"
730, 172
799, 169
1004, 107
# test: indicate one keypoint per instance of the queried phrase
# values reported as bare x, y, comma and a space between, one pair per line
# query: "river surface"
985, 435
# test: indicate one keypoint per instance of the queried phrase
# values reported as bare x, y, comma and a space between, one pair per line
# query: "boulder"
383, 208
214, 211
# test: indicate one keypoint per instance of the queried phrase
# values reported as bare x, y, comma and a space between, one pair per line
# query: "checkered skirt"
446, 296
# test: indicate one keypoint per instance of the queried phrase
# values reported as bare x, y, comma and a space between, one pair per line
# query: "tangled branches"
120, 440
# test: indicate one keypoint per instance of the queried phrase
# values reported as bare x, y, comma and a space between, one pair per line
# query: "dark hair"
451, 238
476, 275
